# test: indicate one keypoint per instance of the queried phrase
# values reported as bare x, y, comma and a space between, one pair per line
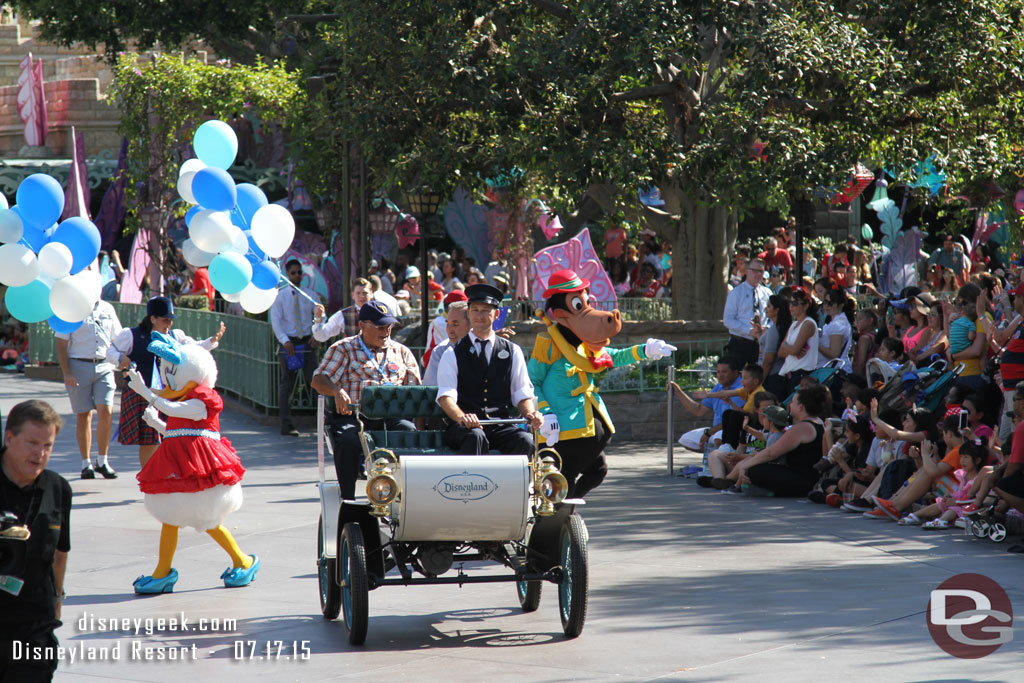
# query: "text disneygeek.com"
139, 650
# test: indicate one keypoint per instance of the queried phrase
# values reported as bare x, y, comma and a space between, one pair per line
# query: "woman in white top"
837, 335
799, 351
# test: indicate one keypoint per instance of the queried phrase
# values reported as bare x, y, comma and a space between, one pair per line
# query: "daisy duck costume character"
562, 367
194, 478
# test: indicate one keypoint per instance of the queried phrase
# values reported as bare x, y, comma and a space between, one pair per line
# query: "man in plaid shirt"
370, 357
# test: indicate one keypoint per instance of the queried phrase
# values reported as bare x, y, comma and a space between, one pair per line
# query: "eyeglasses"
797, 303
756, 270
382, 328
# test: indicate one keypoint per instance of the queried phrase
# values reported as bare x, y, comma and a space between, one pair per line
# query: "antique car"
427, 511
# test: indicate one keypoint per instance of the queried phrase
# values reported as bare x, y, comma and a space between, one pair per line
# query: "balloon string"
297, 289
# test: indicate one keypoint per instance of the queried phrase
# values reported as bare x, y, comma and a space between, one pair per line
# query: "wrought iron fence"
694, 360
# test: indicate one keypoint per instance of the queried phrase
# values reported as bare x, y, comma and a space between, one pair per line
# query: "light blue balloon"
266, 275
61, 326
40, 199
214, 189
216, 144
29, 304
82, 238
190, 214
250, 200
230, 272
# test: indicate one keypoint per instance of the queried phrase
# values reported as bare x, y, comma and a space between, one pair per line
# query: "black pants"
348, 452
743, 350
32, 634
287, 378
583, 463
778, 385
732, 427
508, 439
781, 480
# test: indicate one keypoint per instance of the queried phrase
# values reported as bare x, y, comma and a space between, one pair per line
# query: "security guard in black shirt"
35, 512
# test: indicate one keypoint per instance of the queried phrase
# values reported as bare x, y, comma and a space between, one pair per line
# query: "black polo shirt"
45, 506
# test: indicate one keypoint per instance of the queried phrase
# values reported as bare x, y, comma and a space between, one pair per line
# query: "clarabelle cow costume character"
562, 367
194, 478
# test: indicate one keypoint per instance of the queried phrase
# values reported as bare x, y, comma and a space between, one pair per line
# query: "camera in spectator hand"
13, 551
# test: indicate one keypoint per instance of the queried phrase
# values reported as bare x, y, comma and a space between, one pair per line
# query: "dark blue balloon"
238, 219
214, 189
254, 248
250, 200
33, 238
266, 275
61, 326
190, 214
82, 238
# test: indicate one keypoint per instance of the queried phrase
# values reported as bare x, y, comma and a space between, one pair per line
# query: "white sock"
101, 461
86, 465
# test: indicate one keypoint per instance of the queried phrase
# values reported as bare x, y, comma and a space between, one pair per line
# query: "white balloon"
273, 229
256, 300
195, 256
185, 187
70, 300
11, 227
3, 201
212, 230
233, 298
239, 242
18, 265
91, 282
55, 260
191, 166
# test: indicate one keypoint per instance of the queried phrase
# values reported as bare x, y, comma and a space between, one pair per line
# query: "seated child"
947, 509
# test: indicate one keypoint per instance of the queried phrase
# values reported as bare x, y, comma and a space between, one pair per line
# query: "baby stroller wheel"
979, 528
997, 532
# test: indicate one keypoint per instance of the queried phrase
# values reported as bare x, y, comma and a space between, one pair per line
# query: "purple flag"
76, 195
113, 208
31, 105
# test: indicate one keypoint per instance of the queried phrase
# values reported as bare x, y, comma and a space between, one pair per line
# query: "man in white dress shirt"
484, 376
291, 317
745, 303
89, 379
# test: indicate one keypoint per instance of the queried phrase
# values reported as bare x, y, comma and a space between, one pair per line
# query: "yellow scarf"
583, 361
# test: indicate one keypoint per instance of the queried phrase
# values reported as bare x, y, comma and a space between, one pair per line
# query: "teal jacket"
568, 391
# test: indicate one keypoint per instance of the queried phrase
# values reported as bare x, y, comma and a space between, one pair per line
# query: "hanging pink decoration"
549, 225
860, 178
407, 231
576, 254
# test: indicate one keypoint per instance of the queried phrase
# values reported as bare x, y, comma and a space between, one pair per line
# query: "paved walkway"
686, 584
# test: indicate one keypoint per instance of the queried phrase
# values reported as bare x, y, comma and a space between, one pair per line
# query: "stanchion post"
670, 430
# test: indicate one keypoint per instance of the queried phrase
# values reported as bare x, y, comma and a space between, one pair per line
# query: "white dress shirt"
434, 364
97, 332
741, 305
283, 319
448, 371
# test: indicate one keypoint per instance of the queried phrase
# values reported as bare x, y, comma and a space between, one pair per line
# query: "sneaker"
816, 496
704, 481
858, 505
107, 471
721, 483
88, 473
834, 500
733, 490
887, 507
877, 513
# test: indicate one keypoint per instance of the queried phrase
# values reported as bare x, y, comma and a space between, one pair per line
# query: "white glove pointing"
138, 385
656, 349
550, 429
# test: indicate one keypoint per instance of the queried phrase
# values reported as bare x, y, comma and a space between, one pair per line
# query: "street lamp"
424, 206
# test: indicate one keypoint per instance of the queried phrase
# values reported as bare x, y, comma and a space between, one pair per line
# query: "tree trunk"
701, 255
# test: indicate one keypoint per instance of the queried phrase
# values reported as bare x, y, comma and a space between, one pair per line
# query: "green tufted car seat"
408, 403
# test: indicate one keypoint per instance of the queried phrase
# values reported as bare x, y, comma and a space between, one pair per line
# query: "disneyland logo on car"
465, 487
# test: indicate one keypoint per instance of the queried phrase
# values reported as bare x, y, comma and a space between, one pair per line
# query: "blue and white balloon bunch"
232, 229
44, 263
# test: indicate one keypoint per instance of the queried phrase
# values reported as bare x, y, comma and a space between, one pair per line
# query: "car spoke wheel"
529, 594
572, 591
354, 587
327, 575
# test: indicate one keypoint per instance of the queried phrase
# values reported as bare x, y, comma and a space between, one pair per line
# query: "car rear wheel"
572, 591
327, 575
529, 594
354, 587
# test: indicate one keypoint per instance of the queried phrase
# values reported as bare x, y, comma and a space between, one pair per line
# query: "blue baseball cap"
160, 307
377, 313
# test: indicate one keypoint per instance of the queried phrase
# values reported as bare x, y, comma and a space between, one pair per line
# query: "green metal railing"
694, 361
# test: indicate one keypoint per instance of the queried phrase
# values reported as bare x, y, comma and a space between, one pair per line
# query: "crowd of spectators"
907, 407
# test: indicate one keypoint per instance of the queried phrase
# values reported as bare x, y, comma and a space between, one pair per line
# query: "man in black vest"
31, 569
484, 376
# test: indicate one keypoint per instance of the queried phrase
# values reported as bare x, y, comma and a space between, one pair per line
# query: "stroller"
932, 395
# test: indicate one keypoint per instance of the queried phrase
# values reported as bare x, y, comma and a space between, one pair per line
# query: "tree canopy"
600, 98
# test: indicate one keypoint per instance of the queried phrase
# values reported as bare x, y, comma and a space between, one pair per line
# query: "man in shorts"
89, 379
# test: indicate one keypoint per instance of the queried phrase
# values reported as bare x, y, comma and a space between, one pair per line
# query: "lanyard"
378, 366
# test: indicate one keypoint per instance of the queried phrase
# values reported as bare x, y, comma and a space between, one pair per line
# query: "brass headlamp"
382, 487
549, 485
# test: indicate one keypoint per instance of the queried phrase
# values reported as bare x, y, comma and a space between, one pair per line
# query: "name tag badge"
11, 584
503, 354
